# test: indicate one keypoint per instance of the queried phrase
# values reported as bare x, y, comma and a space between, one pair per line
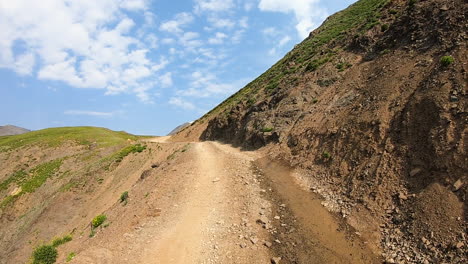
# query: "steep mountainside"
10, 130
371, 110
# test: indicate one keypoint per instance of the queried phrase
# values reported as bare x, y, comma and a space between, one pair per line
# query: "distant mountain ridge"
179, 128
9, 130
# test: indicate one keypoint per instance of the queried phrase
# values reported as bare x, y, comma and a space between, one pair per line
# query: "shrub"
45, 254
267, 129
60, 241
326, 155
70, 256
98, 220
124, 197
411, 3
446, 60
383, 27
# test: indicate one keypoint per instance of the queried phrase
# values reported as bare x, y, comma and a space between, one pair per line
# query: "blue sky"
138, 65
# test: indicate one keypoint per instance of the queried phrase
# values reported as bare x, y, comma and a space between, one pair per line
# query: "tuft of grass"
267, 129
315, 64
53, 137
98, 220
137, 148
17, 177
70, 256
124, 197
384, 27
446, 60
326, 155
343, 66
45, 254
60, 241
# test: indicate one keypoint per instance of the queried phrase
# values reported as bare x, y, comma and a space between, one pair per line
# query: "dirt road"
214, 206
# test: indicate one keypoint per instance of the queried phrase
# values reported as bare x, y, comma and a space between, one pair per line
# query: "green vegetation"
45, 254
124, 197
384, 27
267, 129
70, 256
60, 241
137, 148
53, 137
411, 3
98, 220
16, 177
326, 155
315, 64
343, 66
446, 60
40, 174
29, 183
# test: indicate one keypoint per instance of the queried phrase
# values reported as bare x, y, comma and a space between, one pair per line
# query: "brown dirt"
188, 203
373, 140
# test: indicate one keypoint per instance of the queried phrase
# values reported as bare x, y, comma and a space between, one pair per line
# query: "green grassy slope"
56, 136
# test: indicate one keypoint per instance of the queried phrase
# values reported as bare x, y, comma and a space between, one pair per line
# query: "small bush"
411, 3
446, 60
46, 254
98, 220
70, 256
124, 197
384, 27
326, 155
137, 148
60, 241
267, 129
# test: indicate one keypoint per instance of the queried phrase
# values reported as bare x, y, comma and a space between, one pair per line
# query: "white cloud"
206, 84
86, 44
244, 22
284, 41
218, 38
307, 12
90, 113
213, 5
179, 102
134, 5
24, 63
180, 20
190, 40
166, 80
221, 22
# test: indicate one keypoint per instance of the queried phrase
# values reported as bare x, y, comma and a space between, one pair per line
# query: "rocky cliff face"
372, 109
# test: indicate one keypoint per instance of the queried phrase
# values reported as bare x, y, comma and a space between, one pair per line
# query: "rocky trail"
219, 204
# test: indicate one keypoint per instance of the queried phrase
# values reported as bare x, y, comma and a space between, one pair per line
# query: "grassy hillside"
103, 137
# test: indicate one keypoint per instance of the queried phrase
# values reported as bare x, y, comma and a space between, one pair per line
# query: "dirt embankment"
379, 130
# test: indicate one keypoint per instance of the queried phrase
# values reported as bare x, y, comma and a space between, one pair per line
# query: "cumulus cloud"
213, 5
218, 38
86, 44
307, 12
175, 25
